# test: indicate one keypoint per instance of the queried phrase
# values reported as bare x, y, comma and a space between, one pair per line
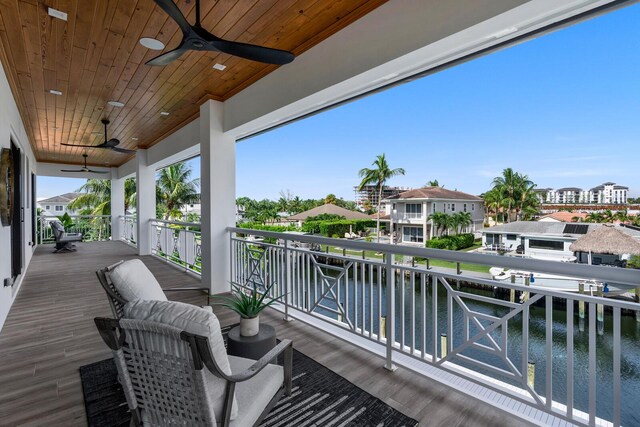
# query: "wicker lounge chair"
146, 286
64, 240
174, 377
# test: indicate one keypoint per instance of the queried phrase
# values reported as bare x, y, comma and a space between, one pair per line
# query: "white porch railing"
547, 349
178, 243
92, 227
128, 229
399, 216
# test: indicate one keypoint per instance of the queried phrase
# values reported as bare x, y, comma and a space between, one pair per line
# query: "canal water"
358, 297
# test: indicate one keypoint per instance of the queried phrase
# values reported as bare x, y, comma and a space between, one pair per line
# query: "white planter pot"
249, 327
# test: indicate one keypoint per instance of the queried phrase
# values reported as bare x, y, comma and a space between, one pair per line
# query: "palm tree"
527, 197
330, 199
440, 221
594, 217
175, 189
622, 216
95, 199
508, 184
463, 220
378, 176
433, 183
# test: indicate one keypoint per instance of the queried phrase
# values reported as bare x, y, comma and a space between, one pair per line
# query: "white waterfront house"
544, 240
409, 213
57, 205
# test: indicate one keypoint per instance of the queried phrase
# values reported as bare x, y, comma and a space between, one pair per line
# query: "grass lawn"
433, 262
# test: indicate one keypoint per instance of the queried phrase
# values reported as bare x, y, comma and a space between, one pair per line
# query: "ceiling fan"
194, 37
108, 144
83, 169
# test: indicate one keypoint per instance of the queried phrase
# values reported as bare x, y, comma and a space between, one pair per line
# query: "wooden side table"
251, 347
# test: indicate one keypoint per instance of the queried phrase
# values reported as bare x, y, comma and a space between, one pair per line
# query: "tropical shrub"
452, 243
340, 227
325, 217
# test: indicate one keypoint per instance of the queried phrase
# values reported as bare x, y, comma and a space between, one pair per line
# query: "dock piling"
512, 292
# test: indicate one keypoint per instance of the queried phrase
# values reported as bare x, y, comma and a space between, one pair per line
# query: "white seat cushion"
195, 320
133, 280
255, 394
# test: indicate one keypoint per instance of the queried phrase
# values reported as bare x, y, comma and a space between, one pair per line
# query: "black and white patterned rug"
320, 397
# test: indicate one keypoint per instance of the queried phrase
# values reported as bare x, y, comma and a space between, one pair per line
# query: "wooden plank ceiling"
95, 57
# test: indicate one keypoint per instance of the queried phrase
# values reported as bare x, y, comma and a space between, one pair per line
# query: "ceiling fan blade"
71, 170
123, 150
174, 12
84, 146
92, 171
111, 143
253, 52
168, 57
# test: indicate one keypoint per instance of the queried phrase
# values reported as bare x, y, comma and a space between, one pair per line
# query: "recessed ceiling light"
150, 43
55, 92
218, 66
134, 138
164, 113
57, 14
116, 104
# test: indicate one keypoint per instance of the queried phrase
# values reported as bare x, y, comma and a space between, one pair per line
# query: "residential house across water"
409, 213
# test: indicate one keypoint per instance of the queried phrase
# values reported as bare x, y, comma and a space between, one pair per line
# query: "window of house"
453, 207
433, 205
473, 206
412, 234
413, 209
46, 208
512, 237
546, 244
464, 207
59, 208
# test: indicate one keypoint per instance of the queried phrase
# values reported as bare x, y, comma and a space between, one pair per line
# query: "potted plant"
248, 304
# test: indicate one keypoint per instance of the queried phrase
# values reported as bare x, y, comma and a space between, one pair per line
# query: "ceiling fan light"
55, 92
164, 113
116, 104
151, 43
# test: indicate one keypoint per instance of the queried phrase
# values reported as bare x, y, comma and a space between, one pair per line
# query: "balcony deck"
49, 334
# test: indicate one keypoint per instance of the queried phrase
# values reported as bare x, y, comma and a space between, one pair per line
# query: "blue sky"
563, 109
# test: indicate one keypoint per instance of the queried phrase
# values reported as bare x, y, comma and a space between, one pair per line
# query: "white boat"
557, 283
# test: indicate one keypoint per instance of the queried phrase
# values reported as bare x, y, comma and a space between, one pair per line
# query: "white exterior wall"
402, 218
12, 128
52, 209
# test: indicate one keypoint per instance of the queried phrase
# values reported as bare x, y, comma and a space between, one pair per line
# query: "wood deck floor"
49, 334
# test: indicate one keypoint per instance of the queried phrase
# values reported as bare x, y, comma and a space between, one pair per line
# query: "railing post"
287, 280
391, 307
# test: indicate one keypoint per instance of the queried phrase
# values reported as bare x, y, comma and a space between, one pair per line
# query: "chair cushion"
133, 280
255, 394
195, 320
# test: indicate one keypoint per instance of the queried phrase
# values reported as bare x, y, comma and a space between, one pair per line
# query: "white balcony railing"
92, 227
558, 353
178, 243
128, 229
403, 216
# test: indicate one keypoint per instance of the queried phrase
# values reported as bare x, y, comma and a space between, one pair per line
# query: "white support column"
117, 204
218, 192
145, 201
